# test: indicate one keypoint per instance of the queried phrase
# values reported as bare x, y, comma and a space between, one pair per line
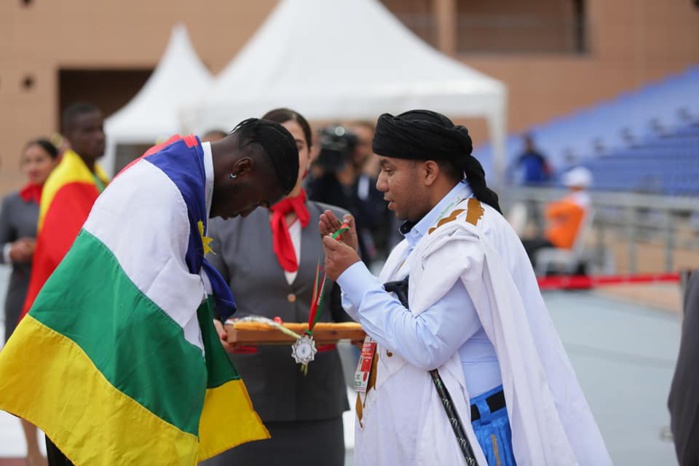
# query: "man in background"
69, 192
532, 170
565, 216
381, 226
342, 175
531, 167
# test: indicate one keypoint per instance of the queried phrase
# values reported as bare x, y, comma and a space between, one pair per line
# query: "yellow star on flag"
205, 240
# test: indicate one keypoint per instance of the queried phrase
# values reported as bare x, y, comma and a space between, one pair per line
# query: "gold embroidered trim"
448, 219
475, 211
359, 409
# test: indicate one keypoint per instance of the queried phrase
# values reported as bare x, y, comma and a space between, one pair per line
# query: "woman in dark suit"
269, 260
18, 222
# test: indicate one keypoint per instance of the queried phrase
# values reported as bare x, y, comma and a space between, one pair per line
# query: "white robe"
403, 421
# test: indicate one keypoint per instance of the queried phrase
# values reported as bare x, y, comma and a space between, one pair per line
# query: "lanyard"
319, 289
304, 349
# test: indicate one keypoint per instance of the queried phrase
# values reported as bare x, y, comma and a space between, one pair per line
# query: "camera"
337, 145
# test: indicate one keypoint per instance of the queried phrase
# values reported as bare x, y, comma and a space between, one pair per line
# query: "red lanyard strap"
319, 288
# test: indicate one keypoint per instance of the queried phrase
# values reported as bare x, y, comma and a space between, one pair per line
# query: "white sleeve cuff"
6, 253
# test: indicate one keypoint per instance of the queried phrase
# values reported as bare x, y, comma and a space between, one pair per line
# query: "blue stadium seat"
661, 119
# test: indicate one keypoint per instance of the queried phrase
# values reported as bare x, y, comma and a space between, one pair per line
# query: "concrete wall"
46, 36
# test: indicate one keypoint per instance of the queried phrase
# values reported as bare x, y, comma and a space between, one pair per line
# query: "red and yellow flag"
66, 201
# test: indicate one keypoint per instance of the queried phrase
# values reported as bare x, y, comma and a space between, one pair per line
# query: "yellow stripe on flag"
74, 403
228, 420
72, 169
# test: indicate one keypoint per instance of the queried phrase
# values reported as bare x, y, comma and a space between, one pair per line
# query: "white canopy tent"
345, 59
153, 113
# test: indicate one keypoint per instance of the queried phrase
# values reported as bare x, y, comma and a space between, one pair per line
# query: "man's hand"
329, 224
338, 257
22, 250
223, 335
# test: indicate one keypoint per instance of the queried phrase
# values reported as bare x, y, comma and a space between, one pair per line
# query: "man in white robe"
474, 313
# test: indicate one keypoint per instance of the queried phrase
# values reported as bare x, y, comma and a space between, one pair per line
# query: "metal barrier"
633, 219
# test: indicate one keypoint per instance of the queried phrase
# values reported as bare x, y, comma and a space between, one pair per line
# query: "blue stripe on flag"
184, 165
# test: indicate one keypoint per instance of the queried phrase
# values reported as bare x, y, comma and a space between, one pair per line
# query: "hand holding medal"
341, 238
340, 244
304, 349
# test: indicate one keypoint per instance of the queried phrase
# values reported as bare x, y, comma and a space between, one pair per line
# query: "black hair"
276, 143
470, 166
282, 115
45, 144
73, 111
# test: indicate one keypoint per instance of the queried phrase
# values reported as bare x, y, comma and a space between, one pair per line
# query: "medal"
304, 350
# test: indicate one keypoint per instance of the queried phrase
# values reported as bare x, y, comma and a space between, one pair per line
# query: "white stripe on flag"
142, 218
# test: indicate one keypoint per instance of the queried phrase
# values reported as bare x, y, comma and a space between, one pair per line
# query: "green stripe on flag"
219, 367
138, 347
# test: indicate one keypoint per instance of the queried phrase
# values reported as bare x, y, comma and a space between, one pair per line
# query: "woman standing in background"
18, 223
269, 260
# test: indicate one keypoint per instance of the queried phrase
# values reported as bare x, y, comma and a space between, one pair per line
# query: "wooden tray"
259, 333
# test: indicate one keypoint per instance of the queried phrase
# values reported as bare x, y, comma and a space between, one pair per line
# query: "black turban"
427, 135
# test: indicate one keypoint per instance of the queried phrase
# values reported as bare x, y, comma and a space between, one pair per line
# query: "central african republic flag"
118, 360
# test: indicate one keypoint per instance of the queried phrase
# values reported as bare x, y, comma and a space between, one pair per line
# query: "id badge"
361, 375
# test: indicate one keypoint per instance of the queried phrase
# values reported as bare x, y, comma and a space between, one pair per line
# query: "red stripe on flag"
162, 145
63, 220
154, 150
190, 140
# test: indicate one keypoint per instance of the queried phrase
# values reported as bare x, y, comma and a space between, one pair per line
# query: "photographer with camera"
338, 178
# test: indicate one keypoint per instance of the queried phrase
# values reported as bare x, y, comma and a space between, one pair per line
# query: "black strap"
454, 419
400, 288
495, 403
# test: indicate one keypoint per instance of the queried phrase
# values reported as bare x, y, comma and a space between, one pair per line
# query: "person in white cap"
564, 216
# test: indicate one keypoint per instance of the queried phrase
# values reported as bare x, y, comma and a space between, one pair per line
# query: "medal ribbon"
319, 288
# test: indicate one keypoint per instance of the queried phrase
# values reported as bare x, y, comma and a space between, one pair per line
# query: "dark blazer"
18, 219
244, 255
684, 391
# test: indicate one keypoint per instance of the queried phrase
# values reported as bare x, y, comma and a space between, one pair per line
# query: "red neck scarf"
31, 193
281, 240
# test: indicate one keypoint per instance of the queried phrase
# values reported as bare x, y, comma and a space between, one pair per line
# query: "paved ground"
623, 352
666, 297
624, 355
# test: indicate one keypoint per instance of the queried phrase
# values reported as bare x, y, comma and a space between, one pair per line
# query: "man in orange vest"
564, 216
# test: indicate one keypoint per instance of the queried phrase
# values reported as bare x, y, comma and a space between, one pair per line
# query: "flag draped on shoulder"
118, 360
67, 198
